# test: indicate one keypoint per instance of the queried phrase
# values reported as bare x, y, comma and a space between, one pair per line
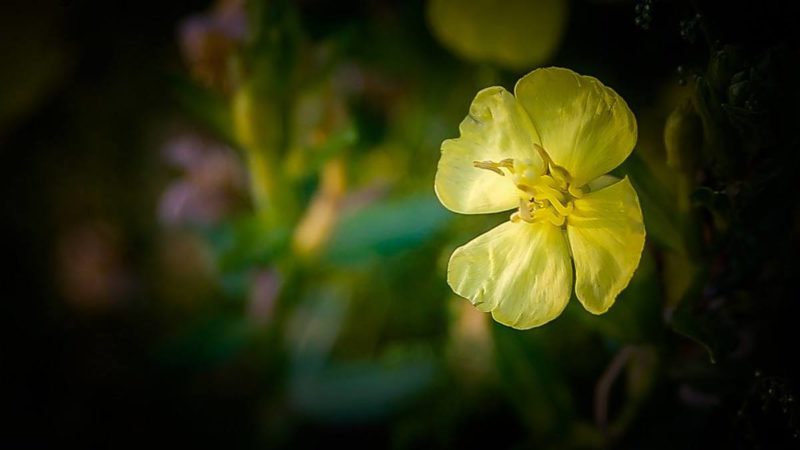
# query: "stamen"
547, 215
495, 167
524, 212
548, 193
575, 191
562, 209
543, 154
549, 181
560, 175
543, 197
526, 189
488, 165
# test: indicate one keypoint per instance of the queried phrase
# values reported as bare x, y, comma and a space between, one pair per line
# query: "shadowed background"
220, 228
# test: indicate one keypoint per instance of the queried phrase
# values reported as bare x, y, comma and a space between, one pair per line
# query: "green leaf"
685, 324
245, 242
384, 229
533, 381
661, 218
700, 326
359, 391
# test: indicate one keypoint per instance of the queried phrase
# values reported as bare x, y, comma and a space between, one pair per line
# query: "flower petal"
584, 126
495, 129
520, 272
606, 234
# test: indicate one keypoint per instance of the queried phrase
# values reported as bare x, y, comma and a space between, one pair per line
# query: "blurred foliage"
223, 229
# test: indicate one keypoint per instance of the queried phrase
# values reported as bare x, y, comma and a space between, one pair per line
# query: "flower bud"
683, 138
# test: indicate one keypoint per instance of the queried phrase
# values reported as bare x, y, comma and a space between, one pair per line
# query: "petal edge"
606, 234
496, 128
520, 272
585, 126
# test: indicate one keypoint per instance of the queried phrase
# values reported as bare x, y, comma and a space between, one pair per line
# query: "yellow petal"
520, 272
495, 129
606, 234
513, 33
584, 126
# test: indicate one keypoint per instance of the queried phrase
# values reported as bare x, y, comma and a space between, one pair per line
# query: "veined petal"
584, 126
520, 272
495, 129
606, 234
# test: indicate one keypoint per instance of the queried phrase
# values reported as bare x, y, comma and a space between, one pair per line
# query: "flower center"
543, 197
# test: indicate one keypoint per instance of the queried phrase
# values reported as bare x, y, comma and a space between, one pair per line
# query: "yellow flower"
545, 151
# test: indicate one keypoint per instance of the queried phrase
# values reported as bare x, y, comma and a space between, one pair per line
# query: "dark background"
89, 95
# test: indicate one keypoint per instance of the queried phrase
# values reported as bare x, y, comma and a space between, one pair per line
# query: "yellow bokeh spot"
513, 33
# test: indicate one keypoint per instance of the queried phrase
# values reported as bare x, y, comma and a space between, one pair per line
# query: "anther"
507, 163
547, 215
524, 212
488, 165
495, 167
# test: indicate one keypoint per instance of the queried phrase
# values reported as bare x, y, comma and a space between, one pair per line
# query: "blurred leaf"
693, 325
359, 392
683, 138
686, 325
532, 381
346, 392
209, 108
661, 217
209, 343
386, 228
314, 328
335, 144
245, 242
